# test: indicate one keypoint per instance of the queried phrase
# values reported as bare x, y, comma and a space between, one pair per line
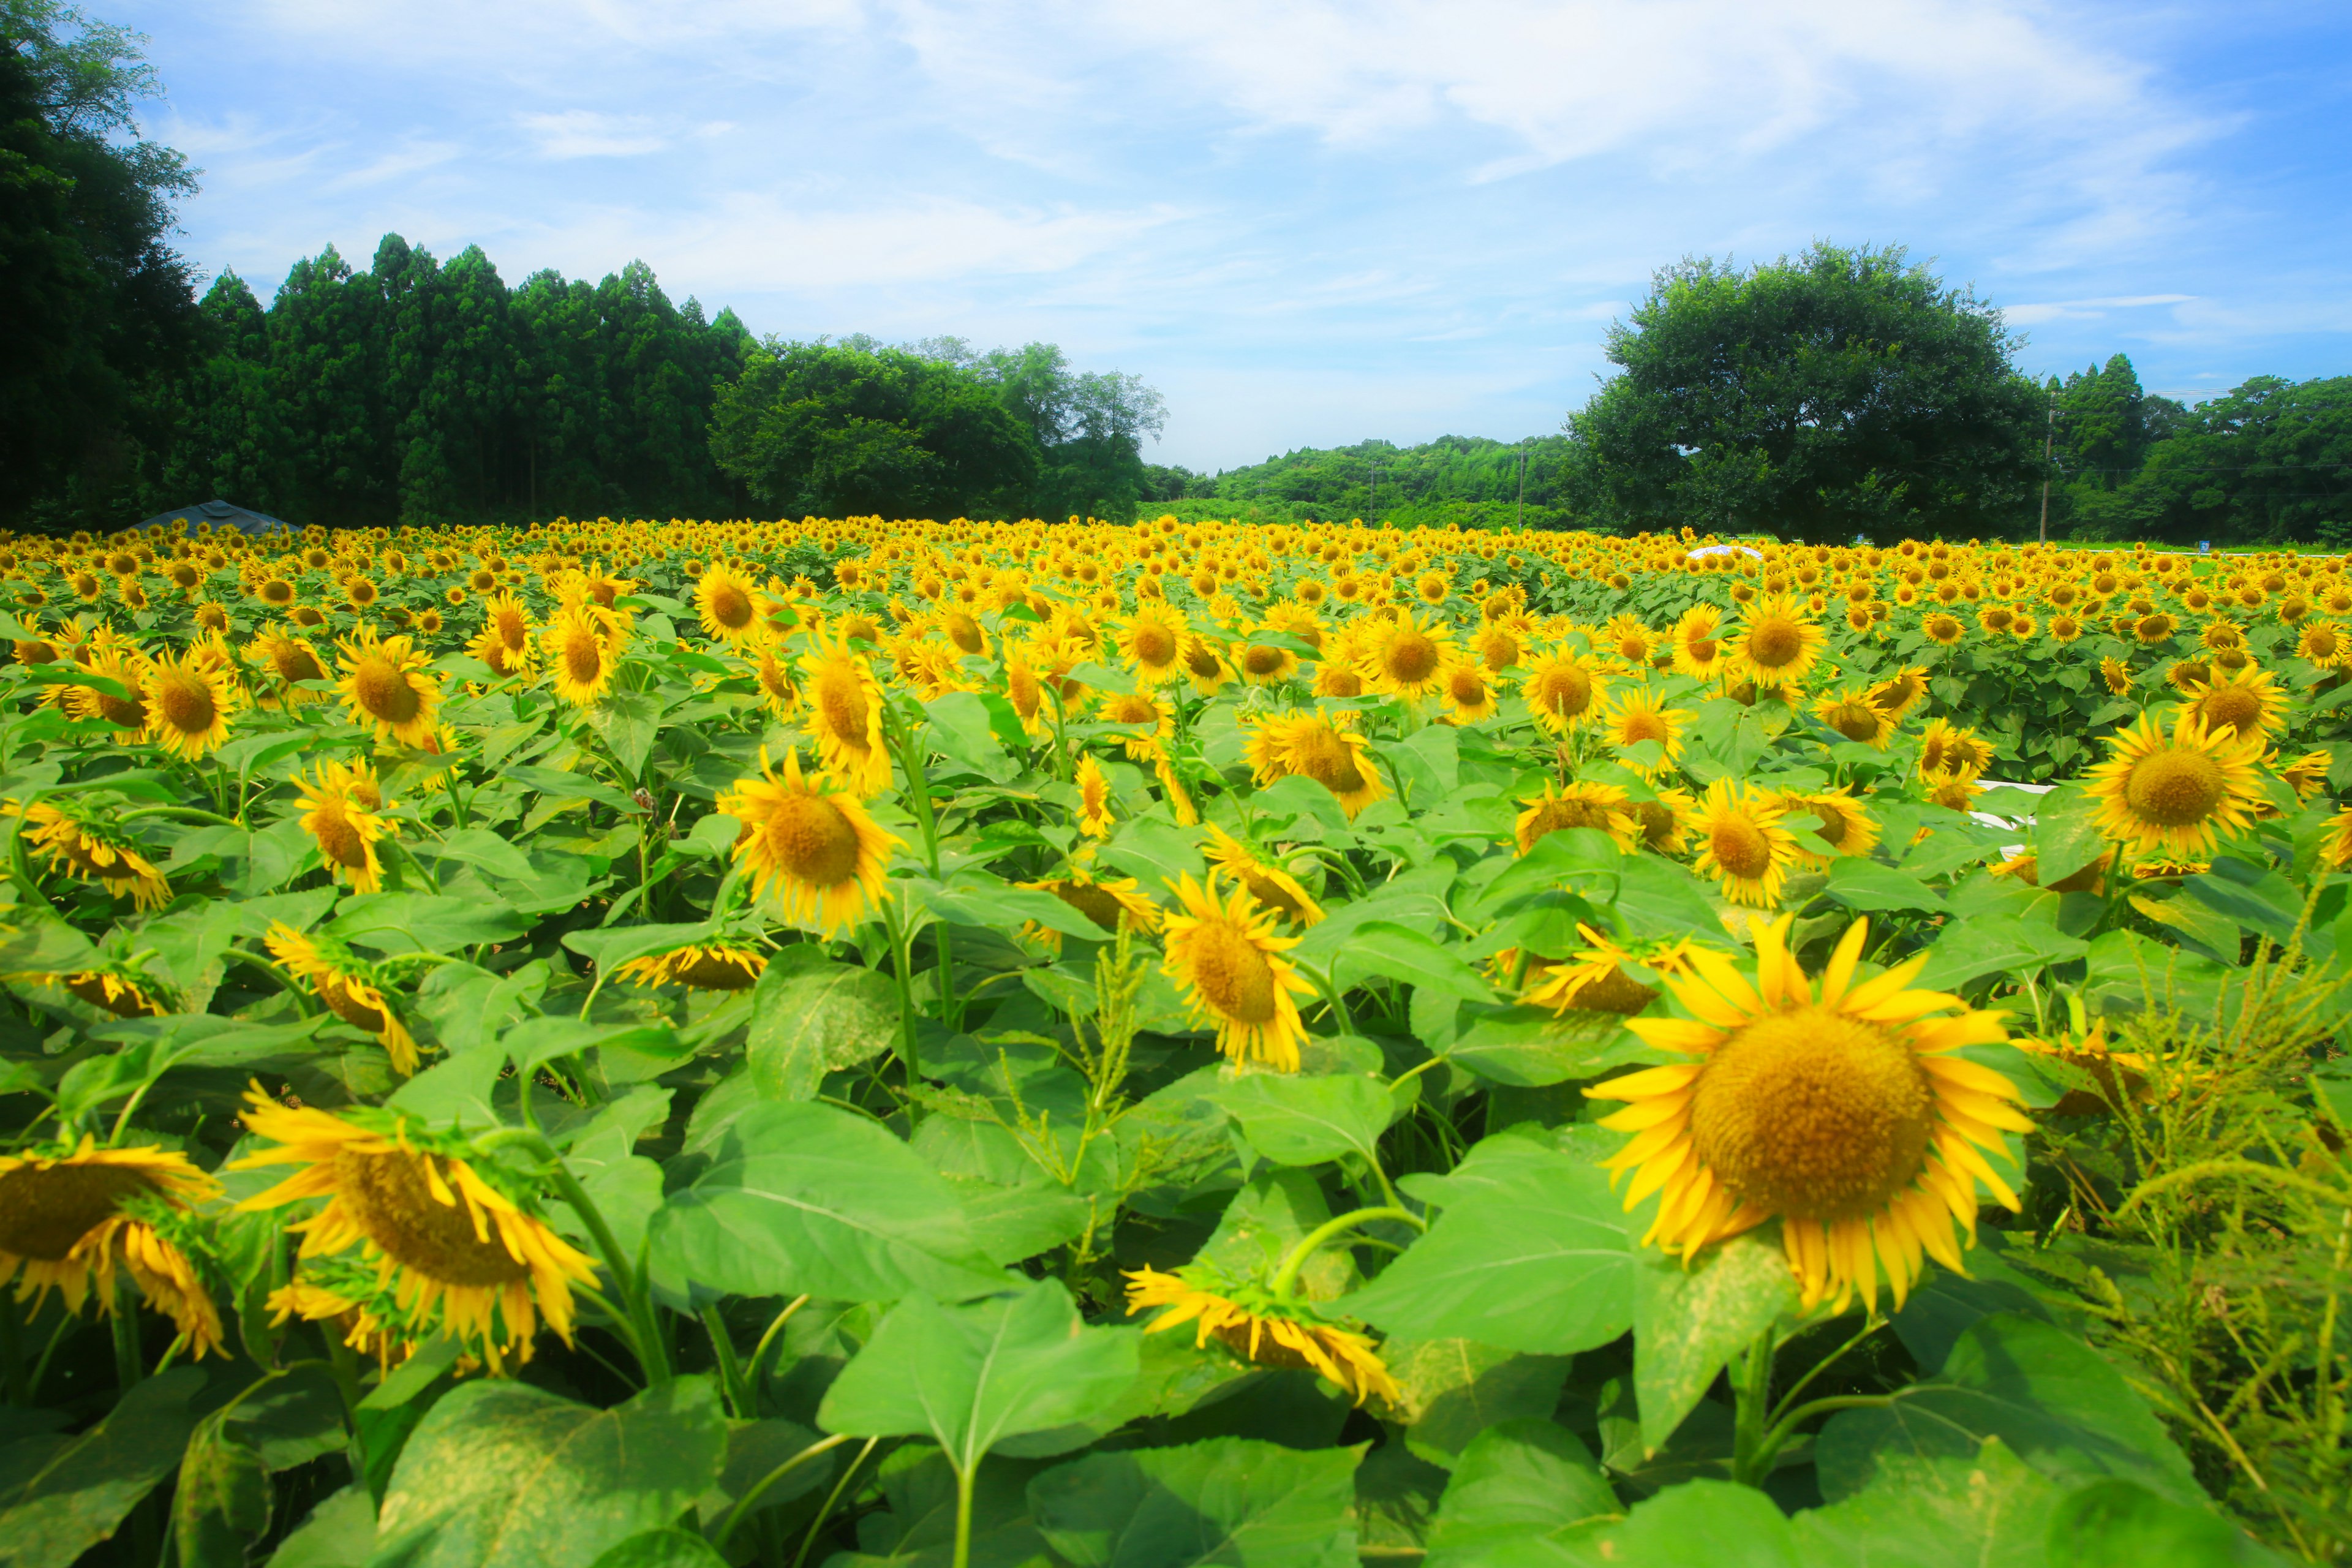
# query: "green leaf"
962, 730
1970, 948
1702, 1522
1391, 951
1156, 853
1011, 1223
558, 784
424, 923
969, 1377
339, 1533
1988, 1508
2116, 1524
811, 1017
1298, 1121
2052, 1399
979, 898
2066, 835
1689, 1321
1227, 1501
1530, 1048
504, 1474
1529, 1253
662, 1549
1860, 883
480, 847
222, 1501
808, 1199
629, 720
1518, 1480
61, 1496
1452, 1389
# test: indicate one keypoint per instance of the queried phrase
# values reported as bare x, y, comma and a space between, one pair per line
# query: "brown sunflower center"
1641, 725
2232, 707
1500, 649
812, 841
185, 702
1231, 974
1566, 691
514, 628
1202, 660
337, 993
2175, 787
1340, 683
717, 970
385, 689
841, 699
1153, 644
1854, 721
1556, 812
1320, 754
1097, 904
1701, 649
340, 838
730, 606
1615, 992
1657, 820
45, 1210
1812, 1113
390, 1197
583, 656
1273, 895
1740, 847
1411, 656
123, 713
964, 632
1467, 688
1260, 661
1775, 641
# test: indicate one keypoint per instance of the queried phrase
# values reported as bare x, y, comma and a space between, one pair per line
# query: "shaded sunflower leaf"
1861, 883
339, 1533
1453, 1390
1518, 1482
61, 1496
810, 1017
1227, 1501
1946, 1512
1304, 1121
1385, 950
222, 1502
424, 923
2117, 1524
1969, 950
662, 1549
1689, 1321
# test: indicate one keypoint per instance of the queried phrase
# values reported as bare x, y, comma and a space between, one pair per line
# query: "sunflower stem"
1752, 1395
1759, 1463
645, 1321
816, 1450
832, 1502
965, 1477
731, 1367
1295, 1259
909, 1053
130, 1367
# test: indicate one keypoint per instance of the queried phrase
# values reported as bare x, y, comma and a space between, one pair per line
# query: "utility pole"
1519, 520
2049, 435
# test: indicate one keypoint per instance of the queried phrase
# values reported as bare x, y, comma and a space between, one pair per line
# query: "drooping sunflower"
1838, 1107
1899, 693
384, 685
128, 668
1110, 902
1742, 843
1226, 958
1778, 641
70, 1214
1666, 821
1327, 748
845, 717
2246, 703
697, 966
289, 658
2176, 793
1266, 880
188, 699
2307, 774
1255, 1324
78, 840
723, 601
448, 1232
1095, 819
1845, 823
117, 989
1564, 693
1852, 714
1599, 978
344, 825
811, 840
1152, 723
352, 988
1602, 806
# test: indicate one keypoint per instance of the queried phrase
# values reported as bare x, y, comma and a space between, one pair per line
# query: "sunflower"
1698, 643
1267, 882
1153, 642
1778, 641
2118, 676
504, 643
1638, 715
81, 843
1469, 697
1943, 628
2176, 794
1899, 693
384, 685
1325, 748
1598, 978
353, 989
126, 995
1628, 638
343, 825
1852, 714
1110, 902
2307, 774
128, 668
2325, 645
1226, 958
1666, 821
290, 658
1742, 843
1151, 724
1409, 658
1843, 1110
1260, 1327
69, 1215
1596, 805
453, 1240
578, 654
1946, 750
2247, 702
845, 717
1094, 799
1564, 693
188, 699
812, 841
1846, 824
697, 966
2336, 849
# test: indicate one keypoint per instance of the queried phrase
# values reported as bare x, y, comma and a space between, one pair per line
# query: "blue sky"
1305, 222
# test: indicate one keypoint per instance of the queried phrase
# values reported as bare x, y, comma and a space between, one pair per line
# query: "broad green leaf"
1987, 1510
1529, 1252
962, 732
424, 923
2066, 835
1227, 1501
1011, 1223
503, 1475
1530, 1048
1702, 1522
1270, 1215
1156, 853
629, 720
978, 899
339, 1533
1688, 1320
2116, 1524
969, 1377
1861, 883
1970, 948
2051, 1398
61, 1496
480, 847
1390, 951
662, 1549
1299, 1120
1452, 1389
1518, 1480
811, 1017
222, 1502
806, 1199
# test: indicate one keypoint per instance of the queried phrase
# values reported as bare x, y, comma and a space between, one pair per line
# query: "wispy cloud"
587, 134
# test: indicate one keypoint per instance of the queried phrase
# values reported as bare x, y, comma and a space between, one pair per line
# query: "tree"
833, 430
1847, 391
2269, 462
92, 298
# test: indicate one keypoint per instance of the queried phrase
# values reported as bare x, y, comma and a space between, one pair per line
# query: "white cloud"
2034, 314
586, 133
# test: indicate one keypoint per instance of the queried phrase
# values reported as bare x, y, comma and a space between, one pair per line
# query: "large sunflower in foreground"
811, 841
1839, 1107
845, 717
70, 1214
1741, 841
384, 685
1259, 1327
1327, 749
352, 988
2176, 793
1778, 641
455, 1247
188, 699
1226, 958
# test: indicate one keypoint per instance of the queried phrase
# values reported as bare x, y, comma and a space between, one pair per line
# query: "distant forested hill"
1465, 479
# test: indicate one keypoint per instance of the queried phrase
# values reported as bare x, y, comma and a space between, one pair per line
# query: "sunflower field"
640, 1045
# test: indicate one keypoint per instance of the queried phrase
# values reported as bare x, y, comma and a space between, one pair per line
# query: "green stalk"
832, 1502
1295, 1259
743, 1504
964, 1479
909, 1053
731, 1370
1752, 1395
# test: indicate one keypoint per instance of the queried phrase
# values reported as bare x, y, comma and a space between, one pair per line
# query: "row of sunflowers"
641, 1043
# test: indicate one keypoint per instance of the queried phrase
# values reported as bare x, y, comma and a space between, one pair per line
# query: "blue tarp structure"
222, 514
